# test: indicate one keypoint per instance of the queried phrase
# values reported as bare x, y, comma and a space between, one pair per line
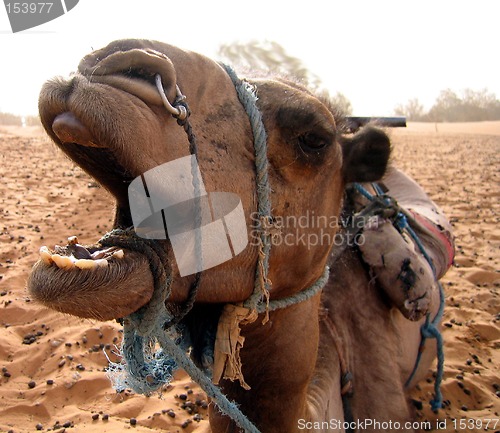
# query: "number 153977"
28, 8
467, 424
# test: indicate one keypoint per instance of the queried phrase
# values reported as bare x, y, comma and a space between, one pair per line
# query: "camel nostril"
70, 130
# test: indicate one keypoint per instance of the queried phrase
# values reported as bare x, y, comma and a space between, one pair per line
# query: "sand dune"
52, 365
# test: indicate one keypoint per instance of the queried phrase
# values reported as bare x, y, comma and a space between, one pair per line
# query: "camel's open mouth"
77, 256
92, 281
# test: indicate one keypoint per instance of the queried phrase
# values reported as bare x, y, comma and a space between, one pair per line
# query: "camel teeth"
100, 254
72, 240
62, 262
46, 256
118, 254
101, 263
86, 264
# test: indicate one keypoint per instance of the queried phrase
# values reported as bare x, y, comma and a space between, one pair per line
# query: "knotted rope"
144, 370
144, 319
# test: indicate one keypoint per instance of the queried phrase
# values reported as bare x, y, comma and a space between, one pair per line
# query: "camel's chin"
109, 284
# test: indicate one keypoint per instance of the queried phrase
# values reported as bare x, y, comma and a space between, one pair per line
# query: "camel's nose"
70, 130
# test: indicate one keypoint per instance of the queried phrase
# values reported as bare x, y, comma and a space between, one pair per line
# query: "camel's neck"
278, 361
324, 402
292, 362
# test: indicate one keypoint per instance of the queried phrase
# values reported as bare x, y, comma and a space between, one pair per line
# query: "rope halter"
146, 369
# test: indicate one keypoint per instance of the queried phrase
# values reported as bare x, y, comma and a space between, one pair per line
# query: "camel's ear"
365, 155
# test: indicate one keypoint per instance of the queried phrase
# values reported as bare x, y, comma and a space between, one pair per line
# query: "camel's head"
109, 118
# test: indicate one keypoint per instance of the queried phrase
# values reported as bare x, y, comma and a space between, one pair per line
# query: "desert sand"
52, 365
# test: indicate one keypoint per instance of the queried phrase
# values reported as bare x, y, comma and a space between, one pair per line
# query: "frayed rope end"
158, 371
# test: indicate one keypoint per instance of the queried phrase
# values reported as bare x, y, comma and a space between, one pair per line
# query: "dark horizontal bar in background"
354, 123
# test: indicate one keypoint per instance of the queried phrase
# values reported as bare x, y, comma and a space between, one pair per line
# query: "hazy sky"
378, 53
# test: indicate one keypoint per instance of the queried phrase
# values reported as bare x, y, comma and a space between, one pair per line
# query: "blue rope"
402, 223
226, 406
363, 191
248, 99
299, 297
430, 328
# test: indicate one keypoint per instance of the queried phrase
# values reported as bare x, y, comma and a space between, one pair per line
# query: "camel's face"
110, 120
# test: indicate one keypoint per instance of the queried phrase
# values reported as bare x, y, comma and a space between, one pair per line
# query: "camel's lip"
69, 129
91, 281
140, 86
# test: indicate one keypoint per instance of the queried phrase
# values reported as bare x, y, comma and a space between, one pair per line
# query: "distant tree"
480, 105
343, 104
267, 57
412, 110
33, 121
15, 120
10, 119
447, 108
470, 106
271, 58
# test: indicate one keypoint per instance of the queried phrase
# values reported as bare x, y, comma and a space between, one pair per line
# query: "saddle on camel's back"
404, 237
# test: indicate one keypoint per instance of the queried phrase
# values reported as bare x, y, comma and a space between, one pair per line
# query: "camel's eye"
311, 142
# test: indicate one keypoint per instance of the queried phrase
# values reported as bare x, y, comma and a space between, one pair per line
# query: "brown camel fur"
110, 120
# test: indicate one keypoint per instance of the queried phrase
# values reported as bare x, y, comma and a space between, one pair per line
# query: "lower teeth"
62, 262
85, 264
45, 255
96, 259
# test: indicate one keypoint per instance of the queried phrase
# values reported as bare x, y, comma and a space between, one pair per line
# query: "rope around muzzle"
145, 370
144, 319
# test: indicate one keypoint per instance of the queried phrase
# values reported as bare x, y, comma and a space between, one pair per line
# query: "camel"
111, 120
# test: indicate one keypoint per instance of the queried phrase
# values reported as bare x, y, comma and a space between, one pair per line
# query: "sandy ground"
52, 365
